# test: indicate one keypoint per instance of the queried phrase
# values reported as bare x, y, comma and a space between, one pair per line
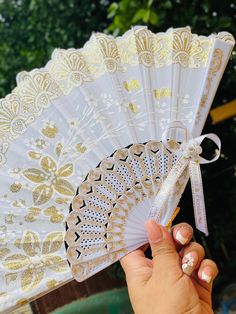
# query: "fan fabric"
66, 124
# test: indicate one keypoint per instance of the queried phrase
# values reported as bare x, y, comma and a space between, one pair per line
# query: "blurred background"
31, 29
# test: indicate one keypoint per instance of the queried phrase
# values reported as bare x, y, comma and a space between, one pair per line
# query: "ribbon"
189, 158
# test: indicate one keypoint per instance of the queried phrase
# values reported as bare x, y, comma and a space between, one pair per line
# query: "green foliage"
128, 13
31, 29
204, 16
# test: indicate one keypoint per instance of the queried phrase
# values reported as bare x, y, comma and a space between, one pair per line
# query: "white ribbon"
190, 159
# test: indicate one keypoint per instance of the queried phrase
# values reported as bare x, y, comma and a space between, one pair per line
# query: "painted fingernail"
189, 262
206, 276
183, 235
154, 231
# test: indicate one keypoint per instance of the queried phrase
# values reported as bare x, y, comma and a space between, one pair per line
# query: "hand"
178, 280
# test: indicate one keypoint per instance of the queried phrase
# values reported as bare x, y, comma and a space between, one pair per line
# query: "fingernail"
154, 232
189, 262
183, 235
206, 276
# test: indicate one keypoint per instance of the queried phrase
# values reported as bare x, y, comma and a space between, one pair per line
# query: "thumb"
165, 257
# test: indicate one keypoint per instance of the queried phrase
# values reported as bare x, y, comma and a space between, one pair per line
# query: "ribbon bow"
188, 158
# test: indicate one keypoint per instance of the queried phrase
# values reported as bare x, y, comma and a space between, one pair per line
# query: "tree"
31, 29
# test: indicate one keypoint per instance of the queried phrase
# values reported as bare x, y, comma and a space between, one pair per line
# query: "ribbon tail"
198, 197
158, 210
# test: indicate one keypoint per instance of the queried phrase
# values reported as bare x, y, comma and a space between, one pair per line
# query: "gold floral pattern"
69, 68
11, 121
216, 64
49, 179
162, 92
109, 51
144, 46
36, 90
132, 85
38, 256
3, 151
52, 134
16, 187
49, 129
54, 214
32, 214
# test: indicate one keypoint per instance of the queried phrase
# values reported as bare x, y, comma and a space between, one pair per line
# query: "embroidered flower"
49, 179
74, 123
191, 150
107, 100
10, 120
91, 100
36, 144
49, 129
39, 255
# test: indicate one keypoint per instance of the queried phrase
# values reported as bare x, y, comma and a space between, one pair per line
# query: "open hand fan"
92, 121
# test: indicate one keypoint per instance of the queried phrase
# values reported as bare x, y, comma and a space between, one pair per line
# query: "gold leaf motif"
34, 155
34, 175
48, 164
9, 219
132, 85
56, 263
162, 92
16, 261
50, 210
133, 107
30, 217
62, 200
55, 217
81, 148
31, 243
31, 278
17, 203
17, 243
59, 149
66, 170
33, 214
4, 252
52, 283
10, 277
64, 187
15, 187
50, 131
42, 194
52, 242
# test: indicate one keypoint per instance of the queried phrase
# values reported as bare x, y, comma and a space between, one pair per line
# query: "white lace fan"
94, 118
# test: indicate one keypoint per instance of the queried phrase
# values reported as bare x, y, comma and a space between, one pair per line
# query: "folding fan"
112, 129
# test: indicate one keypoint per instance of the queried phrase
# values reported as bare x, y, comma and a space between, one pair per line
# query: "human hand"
177, 280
